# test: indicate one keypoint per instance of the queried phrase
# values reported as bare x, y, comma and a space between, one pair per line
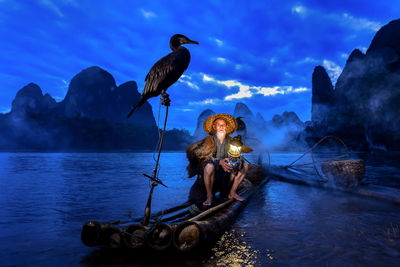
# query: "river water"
46, 197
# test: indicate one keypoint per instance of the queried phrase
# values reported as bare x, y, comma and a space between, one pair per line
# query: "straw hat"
231, 123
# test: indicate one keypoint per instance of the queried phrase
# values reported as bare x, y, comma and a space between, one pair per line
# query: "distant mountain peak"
31, 89
286, 119
89, 93
242, 110
30, 100
356, 54
199, 132
387, 37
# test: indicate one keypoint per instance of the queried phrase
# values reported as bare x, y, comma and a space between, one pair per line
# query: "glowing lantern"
235, 148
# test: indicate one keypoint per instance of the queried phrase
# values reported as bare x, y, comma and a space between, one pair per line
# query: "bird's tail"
137, 105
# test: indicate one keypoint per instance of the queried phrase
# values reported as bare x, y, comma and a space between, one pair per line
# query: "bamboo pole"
194, 232
211, 210
155, 181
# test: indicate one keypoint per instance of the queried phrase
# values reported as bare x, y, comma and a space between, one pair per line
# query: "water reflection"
232, 250
45, 199
308, 227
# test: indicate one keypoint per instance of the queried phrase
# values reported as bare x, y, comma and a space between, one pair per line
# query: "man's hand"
224, 163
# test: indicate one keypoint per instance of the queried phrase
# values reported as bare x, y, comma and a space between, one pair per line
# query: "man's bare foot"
208, 202
235, 196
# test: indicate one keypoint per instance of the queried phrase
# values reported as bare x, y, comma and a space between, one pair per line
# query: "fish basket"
347, 173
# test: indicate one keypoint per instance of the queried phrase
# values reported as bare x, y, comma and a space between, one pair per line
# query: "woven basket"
346, 173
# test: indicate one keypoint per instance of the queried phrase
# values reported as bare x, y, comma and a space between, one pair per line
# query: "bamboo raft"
350, 182
180, 231
333, 173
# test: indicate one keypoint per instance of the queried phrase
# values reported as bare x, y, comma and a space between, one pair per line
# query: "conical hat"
231, 123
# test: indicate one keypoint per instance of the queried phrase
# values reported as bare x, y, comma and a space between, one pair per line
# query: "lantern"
235, 148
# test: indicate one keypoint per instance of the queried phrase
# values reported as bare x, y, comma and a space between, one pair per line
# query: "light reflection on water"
304, 226
232, 250
45, 199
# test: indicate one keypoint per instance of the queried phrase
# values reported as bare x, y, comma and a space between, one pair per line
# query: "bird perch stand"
155, 181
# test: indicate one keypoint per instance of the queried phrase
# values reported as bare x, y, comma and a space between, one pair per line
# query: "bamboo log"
201, 229
90, 234
191, 235
112, 236
101, 234
134, 236
188, 236
160, 237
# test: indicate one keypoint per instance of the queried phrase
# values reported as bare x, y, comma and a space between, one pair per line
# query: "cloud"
216, 41
363, 49
148, 14
248, 91
301, 89
4, 109
185, 79
208, 101
333, 70
299, 10
219, 42
244, 92
221, 60
49, 4
343, 19
361, 23
307, 60
207, 78
272, 61
241, 66
270, 91
185, 109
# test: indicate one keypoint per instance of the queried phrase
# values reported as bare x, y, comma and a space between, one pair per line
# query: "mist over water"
46, 198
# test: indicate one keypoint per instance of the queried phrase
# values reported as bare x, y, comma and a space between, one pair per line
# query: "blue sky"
261, 53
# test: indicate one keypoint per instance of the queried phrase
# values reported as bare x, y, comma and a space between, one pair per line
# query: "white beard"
221, 135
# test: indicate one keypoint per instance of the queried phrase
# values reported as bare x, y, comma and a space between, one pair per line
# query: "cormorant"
242, 129
167, 70
241, 124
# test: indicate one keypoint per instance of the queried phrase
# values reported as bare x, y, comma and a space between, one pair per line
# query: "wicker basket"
346, 173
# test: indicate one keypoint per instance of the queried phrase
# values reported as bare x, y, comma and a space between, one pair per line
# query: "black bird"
167, 70
241, 124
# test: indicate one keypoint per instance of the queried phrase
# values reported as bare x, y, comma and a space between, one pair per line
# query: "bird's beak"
188, 41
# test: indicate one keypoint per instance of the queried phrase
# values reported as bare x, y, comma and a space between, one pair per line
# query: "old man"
208, 158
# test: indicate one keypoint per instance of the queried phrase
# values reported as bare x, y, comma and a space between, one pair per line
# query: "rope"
312, 155
314, 146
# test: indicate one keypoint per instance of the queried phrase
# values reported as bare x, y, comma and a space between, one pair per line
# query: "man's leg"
237, 179
209, 174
